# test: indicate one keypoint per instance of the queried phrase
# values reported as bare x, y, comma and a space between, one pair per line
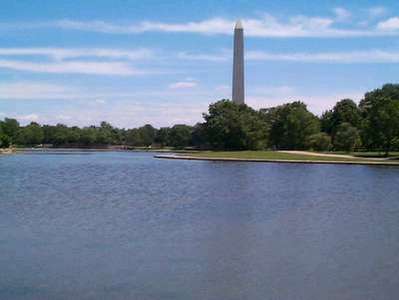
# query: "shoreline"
7, 151
289, 161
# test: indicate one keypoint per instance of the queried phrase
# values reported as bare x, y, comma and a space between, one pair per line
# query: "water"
126, 226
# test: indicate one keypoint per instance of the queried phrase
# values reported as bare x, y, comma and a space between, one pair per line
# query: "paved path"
353, 162
328, 155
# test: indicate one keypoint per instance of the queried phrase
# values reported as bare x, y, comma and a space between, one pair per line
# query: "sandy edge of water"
349, 162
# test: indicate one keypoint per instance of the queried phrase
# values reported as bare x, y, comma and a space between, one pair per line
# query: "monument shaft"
238, 65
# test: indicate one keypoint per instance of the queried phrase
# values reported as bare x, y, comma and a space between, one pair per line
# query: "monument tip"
238, 25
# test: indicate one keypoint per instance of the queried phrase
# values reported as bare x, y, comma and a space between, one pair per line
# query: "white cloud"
28, 118
365, 56
342, 14
72, 67
183, 85
266, 26
218, 25
68, 53
317, 103
376, 11
207, 57
33, 90
389, 25
100, 101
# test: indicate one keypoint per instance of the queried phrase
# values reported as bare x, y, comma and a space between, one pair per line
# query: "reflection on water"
120, 225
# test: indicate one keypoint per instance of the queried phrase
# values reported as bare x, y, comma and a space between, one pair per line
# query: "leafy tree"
291, 125
344, 111
234, 127
5, 140
319, 141
133, 137
180, 136
147, 135
346, 138
162, 136
10, 127
88, 136
380, 109
198, 136
30, 135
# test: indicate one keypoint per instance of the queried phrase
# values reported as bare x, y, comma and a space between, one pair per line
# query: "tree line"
372, 125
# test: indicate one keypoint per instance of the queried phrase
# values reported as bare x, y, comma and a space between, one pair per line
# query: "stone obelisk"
238, 64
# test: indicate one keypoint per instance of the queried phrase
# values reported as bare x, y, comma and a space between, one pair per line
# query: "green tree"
180, 136
161, 138
133, 137
319, 141
5, 140
291, 125
10, 127
346, 138
198, 136
380, 109
147, 134
88, 136
344, 111
30, 135
234, 127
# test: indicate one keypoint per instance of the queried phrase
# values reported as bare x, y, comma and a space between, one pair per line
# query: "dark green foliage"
198, 137
229, 126
319, 142
180, 136
380, 110
234, 127
30, 135
147, 134
161, 138
346, 137
291, 125
345, 111
10, 128
5, 140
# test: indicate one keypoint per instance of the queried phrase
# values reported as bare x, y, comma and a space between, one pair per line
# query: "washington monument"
238, 64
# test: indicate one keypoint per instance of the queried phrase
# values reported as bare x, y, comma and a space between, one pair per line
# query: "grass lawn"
267, 155
376, 154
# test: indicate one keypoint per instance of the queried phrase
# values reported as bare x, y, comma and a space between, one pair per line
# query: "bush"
346, 138
319, 142
5, 141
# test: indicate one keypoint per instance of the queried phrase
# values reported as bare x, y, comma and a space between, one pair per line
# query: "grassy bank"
279, 157
267, 155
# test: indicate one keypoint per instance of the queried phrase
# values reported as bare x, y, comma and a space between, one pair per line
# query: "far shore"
7, 151
298, 157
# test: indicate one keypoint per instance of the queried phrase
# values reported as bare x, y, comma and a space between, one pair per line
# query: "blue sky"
162, 62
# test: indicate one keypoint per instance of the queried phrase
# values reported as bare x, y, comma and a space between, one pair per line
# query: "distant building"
238, 65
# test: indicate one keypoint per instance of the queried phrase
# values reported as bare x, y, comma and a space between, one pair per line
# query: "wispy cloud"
265, 26
365, 56
376, 11
71, 53
183, 85
342, 14
317, 103
223, 56
34, 90
28, 118
72, 67
389, 25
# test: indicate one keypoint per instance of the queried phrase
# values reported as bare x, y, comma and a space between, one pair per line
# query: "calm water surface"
127, 226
